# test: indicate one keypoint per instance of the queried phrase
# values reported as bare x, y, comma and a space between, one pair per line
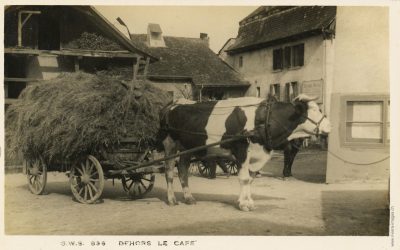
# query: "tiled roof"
189, 58
285, 24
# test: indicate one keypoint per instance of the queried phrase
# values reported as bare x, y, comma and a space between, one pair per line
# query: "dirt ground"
300, 206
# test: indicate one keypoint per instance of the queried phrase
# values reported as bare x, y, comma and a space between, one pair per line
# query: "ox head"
315, 122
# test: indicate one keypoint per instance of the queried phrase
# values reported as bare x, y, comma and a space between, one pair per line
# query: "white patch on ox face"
308, 127
216, 122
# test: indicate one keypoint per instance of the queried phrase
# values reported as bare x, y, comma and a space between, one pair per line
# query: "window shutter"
277, 59
301, 54
287, 58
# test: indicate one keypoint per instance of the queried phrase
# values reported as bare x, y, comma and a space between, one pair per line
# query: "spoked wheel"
138, 185
232, 167
87, 180
203, 169
36, 172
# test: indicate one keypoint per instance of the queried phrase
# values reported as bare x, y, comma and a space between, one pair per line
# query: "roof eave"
222, 85
266, 44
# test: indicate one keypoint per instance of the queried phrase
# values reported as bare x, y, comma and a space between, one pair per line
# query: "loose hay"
77, 114
93, 41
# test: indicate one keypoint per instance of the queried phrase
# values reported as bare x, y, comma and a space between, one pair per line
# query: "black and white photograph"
199, 125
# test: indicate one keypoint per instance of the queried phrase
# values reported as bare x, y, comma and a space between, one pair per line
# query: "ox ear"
306, 98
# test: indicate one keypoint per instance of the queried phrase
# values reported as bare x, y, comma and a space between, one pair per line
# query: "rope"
357, 163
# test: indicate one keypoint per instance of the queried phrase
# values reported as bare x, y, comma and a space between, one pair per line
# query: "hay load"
78, 113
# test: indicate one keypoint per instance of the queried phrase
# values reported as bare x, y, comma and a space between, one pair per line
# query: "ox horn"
304, 97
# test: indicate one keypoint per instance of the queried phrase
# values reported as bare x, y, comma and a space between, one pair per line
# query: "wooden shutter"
287, 57
277, 59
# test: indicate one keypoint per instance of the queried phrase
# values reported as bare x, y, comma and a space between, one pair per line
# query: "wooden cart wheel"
203, 169
36, 172
87, 180
138, 185
232, 167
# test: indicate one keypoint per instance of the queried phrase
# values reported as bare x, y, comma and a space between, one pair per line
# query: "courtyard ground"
304, 205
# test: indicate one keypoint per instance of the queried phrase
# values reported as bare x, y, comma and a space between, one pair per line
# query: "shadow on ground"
308, 166
355, 212
116, 192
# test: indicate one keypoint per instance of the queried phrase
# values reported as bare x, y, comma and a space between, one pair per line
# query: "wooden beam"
146, 67
5, 90
136, 68
15, 79
22, 23
9, 101
64, 52
76, 64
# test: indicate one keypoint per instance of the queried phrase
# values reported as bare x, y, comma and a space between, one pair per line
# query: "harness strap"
268, 136
262, 126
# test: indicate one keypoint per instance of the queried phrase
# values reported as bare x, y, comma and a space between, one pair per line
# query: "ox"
266, 125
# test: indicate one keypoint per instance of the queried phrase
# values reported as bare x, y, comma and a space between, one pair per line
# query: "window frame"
345, 142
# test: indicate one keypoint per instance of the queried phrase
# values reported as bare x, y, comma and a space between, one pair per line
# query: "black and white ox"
190, 125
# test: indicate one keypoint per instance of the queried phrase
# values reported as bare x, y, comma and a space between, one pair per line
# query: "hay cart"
132, 163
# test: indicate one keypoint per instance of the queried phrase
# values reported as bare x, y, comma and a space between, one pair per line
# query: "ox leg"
290, 153
245, 204
287, 159
183, 166
170, 148
256, 158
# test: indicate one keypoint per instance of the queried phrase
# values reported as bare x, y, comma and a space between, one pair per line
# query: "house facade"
286, 50
359, 143
188, 67
42, 42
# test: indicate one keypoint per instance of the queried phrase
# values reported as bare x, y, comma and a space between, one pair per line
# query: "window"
298, 55
240, 61
275, 90
258, 92
291, 91
366, 121
277, 59
288, 57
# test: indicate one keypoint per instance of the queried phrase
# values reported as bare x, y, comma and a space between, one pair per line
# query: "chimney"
154, 35
204, 37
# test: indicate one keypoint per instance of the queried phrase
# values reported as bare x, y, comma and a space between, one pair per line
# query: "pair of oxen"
250, 129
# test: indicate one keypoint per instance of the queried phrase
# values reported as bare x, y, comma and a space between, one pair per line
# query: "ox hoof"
251, 205
172, 202
244, 208
190, 200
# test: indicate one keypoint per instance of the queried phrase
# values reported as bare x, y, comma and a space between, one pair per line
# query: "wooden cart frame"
87, 175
